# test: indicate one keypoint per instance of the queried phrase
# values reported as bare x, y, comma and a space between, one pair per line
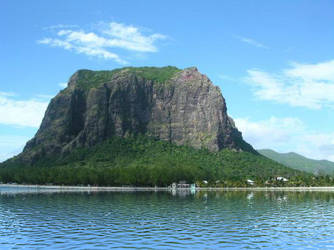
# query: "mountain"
300, 162
179, 106
137, 123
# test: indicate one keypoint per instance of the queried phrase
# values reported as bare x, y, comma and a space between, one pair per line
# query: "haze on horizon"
274, 61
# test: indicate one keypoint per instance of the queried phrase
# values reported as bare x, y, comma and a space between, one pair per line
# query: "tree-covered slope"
144, 161
299, 162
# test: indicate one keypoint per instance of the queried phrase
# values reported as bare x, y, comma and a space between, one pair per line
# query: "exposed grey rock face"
185, 109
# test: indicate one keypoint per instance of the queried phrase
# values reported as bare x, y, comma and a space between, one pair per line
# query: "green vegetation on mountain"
143, 161
87, 79
299, 162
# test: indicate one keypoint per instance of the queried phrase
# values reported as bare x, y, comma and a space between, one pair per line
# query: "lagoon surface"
44, 219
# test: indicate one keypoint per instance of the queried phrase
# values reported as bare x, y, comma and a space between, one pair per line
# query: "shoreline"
141, 189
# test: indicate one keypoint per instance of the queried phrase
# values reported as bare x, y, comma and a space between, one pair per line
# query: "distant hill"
299, 162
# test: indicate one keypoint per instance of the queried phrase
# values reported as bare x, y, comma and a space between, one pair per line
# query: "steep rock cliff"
179, 106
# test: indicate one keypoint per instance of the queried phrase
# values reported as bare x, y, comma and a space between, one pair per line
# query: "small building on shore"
182, 185
250, 182
280, 178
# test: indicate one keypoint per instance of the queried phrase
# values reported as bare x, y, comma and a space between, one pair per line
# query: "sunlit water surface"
100, 220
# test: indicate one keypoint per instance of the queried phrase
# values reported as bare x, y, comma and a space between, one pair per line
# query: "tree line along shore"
142, 161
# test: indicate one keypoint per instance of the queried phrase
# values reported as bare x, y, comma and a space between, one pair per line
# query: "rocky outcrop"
179, 106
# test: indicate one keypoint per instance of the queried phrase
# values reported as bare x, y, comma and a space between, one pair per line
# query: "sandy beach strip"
132, 189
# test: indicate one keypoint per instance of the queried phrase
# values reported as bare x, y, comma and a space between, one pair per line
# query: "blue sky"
273, 60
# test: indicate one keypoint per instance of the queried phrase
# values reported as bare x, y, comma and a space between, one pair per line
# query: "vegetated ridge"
299, 162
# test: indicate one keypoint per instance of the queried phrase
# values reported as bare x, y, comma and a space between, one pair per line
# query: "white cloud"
11, 145
130, 38
313, 72
6, 94
61, 26
99, 44
287, 134
62, 84
251, 42
303, 85
85, 48
271, 132
28, 113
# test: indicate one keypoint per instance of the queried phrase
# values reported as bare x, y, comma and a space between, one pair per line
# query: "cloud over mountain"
102, 42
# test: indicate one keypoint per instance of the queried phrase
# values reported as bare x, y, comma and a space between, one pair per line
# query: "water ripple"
158, 220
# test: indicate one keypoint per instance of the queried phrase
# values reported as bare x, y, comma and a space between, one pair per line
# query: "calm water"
286, 220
